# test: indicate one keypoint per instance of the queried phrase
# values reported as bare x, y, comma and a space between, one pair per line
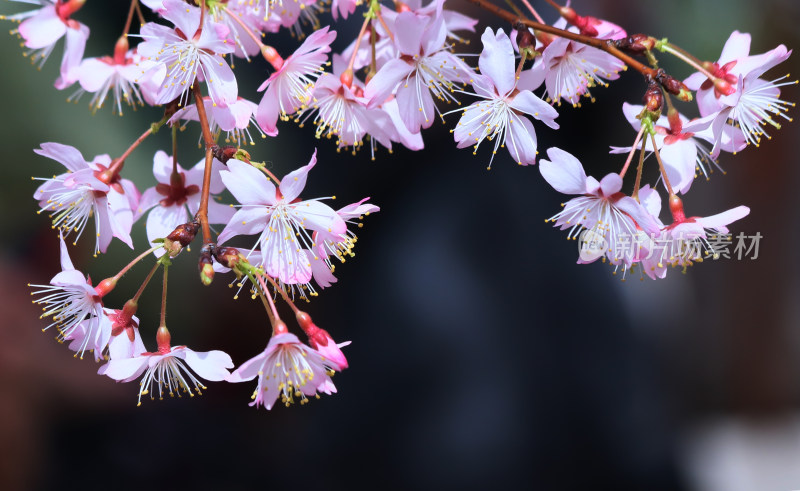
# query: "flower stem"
533, 11
136, 260
202, 212
688, 59
383, 23
244, 27
284, 295
661, 166
146, 281
163, 322
635, 194
267, 299
352, 61
630, 154
174, 149
130, 17
116, 164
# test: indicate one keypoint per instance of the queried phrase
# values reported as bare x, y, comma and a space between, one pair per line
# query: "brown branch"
208, 138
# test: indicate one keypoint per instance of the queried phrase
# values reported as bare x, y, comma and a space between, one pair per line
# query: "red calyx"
725, 83
120, 50
676, 207
104, 287
400, 7
64, 9
271, 55
347, 78
163, 339
176, 192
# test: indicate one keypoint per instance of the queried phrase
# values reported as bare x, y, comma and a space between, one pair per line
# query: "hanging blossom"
288, 90
42, 28
499, 116
283, 222
116, 74
168, 369
187, 51
340, 110
234, 119
340, 245
600, 207
86, 191
287, 368
425, 69
569, 69
682, 145
75, 306
686, 240
176, 197
742, 96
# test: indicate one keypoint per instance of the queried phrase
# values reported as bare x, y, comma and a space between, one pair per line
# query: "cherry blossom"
234, 119
167, 368
176, 197
75, 306
599, 207
287, 368
498, 116
754, 103
289, 89
42, 28
569, 69
187, 51
118, 74
284, 223
425, 68
682, 145
86, 191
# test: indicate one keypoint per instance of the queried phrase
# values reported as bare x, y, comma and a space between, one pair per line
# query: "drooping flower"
176, 197
234, 119
42, 28
187, 51
75, 306
86, 191
289, 89
284, 224
681, 145
424, 69
499, 116
287, 368
742, 96
118, 74
569, 69
600, 207
167, 368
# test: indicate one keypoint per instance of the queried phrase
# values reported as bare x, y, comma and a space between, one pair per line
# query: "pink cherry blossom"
168, 369
76, 307
424, 69
600, 207
289, 89
682, 147
569, 69
454, 22
287, 368
754, 103
176, 197
79, 194
685, 241
234, 119
42, 28
118, 74
283, 222
498, 116
187, 51
126, 341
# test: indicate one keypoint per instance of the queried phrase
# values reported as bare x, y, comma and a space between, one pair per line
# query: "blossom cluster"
408, 66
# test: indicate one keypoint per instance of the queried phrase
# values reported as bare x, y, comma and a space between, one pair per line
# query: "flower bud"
636, 43
228, 256
653, 98
184, 234
526, 42
205, 266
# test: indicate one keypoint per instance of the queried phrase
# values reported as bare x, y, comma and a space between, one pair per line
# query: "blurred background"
482, 355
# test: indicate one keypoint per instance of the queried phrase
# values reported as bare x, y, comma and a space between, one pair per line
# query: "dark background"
482, 355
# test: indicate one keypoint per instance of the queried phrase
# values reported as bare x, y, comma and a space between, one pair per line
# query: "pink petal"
528, 103
42, 29
721, 220
210, 365
497, 60
247, 184
293, 183
565, 173
386, 80
249, 220
126, 369
408, 32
